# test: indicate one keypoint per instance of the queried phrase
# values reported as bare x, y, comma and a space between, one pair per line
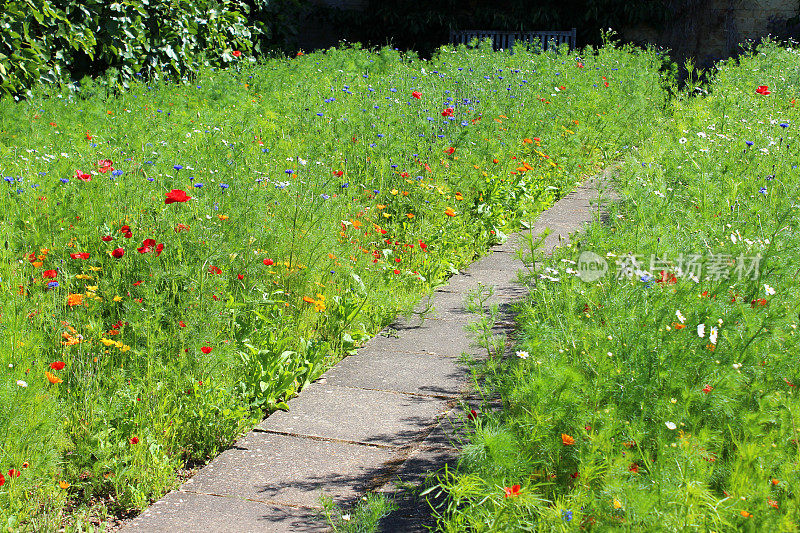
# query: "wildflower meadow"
179, 258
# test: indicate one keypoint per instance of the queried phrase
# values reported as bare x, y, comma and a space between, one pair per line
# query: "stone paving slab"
412, 373
202, 513
357, 415
288, 470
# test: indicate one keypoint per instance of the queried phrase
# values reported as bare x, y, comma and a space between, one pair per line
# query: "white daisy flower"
522, 354
701, 330
670, 425
769, 290
680, 316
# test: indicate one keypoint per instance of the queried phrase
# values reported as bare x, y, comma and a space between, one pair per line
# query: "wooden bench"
504, 40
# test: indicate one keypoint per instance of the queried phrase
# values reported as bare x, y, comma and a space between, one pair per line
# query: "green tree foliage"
46, 40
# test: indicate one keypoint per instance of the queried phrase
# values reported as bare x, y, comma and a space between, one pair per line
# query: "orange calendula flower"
745, 514
449, 212
678, 326
512, 491
567, 440
52, 378
63, 484
459, 196
527, 141
74, 299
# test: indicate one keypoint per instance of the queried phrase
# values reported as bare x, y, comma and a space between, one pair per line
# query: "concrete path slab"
356, 415
289, 470
380, 419
412, 373
203, 513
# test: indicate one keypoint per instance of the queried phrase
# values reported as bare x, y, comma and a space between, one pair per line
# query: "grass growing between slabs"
662, 395
179, 259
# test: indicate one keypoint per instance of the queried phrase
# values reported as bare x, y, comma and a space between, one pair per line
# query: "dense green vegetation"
663, 395
178, 259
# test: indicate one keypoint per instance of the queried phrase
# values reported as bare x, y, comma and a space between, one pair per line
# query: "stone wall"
709, 30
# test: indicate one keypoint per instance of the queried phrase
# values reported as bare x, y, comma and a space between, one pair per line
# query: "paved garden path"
384, 417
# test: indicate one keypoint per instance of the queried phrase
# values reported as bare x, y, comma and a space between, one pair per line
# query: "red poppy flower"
82, 176
88, 136
14, 473
269, 262
707, 389
84, 255
134, 440
104, 165
417, 95
117, 253
763, 90
450, 150
214, 270
240, 276
181, 324
761, 302
147, 246
2, 480
448, 112
236, 53
106, 238
206, 349
126, 231
666, 277
512, 491
579, 65
176, 195
772, 503
423, 246
473, 414
338, 173
49, 274
396, 271
58, 365
634, 468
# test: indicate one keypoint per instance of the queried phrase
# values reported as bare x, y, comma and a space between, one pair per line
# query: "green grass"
661, 399
325, 200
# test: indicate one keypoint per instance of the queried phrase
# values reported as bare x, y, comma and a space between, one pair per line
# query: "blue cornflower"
345, 185
223, 186
64, 180
376, 191
289, 171
380, 136
116, 173
394, 166
198, 185
177, 167
784, 125
151, 179
763, 190
749, 143
319, 114
149, 163
372, 145
52, 285
566, 516
324, 196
